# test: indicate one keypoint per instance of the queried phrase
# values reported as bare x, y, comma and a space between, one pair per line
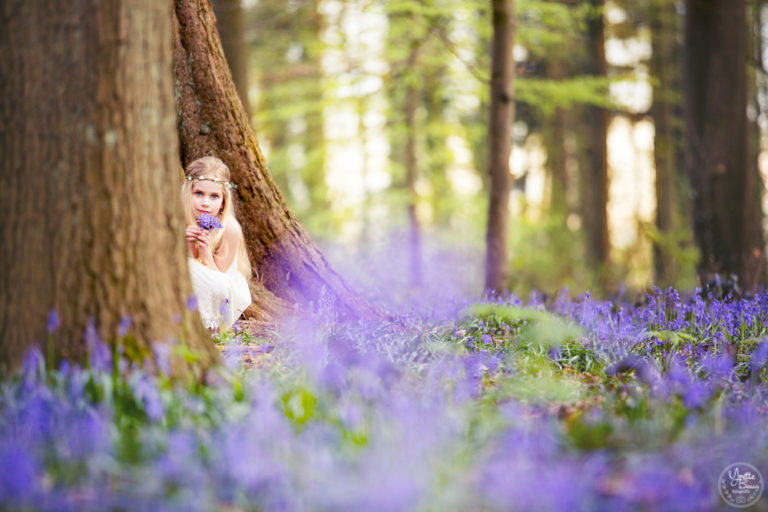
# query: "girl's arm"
227, 251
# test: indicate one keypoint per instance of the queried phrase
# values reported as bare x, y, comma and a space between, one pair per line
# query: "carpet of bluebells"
543, 404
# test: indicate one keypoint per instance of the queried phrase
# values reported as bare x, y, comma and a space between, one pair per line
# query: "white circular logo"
741, 485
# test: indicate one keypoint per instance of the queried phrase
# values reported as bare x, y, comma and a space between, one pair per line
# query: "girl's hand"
204, 249
192, 233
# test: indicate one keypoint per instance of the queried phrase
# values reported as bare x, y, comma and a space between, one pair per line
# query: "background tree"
230, 21
666, 60
404, 86
726, 214
286, 42
91, 217
499, 144
594, 177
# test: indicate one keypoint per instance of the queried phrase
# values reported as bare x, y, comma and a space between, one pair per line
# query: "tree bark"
665, 64
726, 213
411, 167
290, 269
595, 201
500, 144
91, 224
230, 20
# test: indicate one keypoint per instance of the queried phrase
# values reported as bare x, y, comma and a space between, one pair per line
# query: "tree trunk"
290, 269
500, 144
757, 91
666, 86
726, 213
595, 203
437, 154
411, 168
313, 173
230, 20
92, 225
554, 135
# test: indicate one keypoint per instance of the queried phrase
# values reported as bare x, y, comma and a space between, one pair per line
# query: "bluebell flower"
759, 357
20, 475
208, 222
32, 365
162, 353
53, 321
125, 324
99, 355
224, 307
696, 394
146, 391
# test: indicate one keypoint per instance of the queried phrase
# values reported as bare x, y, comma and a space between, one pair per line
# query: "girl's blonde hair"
213, 169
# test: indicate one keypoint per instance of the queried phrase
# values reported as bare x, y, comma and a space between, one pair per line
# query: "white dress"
221, 296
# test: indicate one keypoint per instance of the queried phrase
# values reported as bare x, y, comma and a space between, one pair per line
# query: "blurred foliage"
331, 80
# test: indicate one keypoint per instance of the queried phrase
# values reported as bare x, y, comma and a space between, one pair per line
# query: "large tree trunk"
595, 176
91, 224
230, 21
500, 144
665, 66
290, 269
726, 212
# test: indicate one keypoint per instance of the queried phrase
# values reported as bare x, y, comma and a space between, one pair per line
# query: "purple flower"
145, 389
759, 356
162, 354
224, 307
125, 324
33, 365
99, 354
208, 222
192, 302
53, 321
19, 473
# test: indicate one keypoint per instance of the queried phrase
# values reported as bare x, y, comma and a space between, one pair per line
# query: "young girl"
218, 261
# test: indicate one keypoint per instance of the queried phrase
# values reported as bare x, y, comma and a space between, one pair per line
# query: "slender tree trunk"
91, 221
595, 203
437, 156
291, 270
500, 144
364, 243
230, 21
554, 134
411, 169
313, 173
726, 213
666, 86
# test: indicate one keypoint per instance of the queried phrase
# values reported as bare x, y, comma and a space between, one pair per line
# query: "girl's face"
207, 197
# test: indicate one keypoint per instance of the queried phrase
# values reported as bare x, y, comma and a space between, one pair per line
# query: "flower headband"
227, 184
